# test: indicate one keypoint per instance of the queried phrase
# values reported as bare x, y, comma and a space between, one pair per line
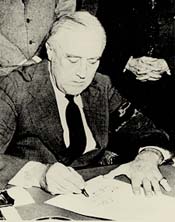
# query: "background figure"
24, 27
142, 29
88, 5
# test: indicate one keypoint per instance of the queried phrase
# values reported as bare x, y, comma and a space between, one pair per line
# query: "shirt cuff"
165, 153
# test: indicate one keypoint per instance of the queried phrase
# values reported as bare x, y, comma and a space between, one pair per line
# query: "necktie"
25, 2
77, 134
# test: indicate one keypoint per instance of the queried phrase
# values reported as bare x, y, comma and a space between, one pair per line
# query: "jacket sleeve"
7, 120
64, 7
9, 165
129, 129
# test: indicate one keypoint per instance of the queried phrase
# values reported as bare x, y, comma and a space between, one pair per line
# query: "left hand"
143, 171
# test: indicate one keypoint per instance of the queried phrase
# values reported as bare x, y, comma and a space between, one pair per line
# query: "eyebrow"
79, 57
71, 55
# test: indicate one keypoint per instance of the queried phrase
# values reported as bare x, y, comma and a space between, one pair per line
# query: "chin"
74, 92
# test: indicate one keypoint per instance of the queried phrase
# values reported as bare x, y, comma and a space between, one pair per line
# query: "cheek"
91, 72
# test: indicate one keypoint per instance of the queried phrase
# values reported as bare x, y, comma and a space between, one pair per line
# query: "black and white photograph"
87, 121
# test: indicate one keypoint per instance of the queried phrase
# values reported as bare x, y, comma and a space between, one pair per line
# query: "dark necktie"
76, 129
25, 2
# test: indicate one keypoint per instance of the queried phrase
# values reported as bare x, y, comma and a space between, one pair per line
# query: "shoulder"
19, 79
101, 80
103, 85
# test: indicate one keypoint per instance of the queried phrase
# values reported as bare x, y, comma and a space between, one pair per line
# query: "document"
113, 199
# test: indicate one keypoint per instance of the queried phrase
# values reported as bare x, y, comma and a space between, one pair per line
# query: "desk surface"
40, 209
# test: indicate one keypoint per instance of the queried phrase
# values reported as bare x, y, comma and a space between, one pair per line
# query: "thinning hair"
76, 21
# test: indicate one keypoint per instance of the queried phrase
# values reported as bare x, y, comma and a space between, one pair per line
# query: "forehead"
83, 43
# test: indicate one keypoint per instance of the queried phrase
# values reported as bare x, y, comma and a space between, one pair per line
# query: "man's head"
74, 49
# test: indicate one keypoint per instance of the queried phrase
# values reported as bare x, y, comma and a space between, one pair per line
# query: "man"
34, 122
139, 55
24, 28
151, 67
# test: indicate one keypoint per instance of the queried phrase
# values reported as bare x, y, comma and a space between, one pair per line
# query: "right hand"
144, 172
59, 179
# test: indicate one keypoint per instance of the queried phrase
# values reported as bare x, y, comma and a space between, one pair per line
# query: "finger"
156, 187
77, 179
151, 74
55, 190
118, 171
62, 186
148, 78
143, 78
155, 75
136, 186
148, 59
164, 183
62, 179
147, 187
153, 79
168, 72
142, 73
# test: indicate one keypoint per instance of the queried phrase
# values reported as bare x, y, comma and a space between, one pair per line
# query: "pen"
84, 192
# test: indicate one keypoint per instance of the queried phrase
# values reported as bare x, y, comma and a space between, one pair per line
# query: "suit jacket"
24, 27
30, 126
151, 33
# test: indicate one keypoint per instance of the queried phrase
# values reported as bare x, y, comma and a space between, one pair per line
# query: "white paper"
11, 214
29, 175
113, 199
20, 195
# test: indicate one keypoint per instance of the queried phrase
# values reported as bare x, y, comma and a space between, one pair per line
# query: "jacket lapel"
45, 112
96, 115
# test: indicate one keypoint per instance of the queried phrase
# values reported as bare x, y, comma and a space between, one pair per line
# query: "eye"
73, 59
93, 61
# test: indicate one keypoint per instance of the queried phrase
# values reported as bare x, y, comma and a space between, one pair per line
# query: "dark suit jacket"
135, 28
30, 126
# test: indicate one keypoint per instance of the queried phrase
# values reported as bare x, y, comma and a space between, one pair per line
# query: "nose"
82, 69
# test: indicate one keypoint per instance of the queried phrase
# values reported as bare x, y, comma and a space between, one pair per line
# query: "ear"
49, 51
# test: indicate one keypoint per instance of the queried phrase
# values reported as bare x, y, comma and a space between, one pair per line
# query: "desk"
40, 209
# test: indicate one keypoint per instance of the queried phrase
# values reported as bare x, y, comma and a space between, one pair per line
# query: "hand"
147, 68
143, 171
59, 179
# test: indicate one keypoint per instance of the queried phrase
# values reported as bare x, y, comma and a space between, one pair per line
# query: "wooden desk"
40, 209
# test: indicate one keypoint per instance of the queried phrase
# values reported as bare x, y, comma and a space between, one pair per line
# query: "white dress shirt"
62, 103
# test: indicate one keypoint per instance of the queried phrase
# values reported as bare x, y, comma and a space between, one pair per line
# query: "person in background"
61, 112
88, 5
24, 27
141, 60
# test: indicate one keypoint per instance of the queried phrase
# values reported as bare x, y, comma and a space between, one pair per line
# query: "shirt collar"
61, 95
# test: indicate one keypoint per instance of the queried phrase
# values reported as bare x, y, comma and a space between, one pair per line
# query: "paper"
20, 195
113, 199
11, 214
29, 175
